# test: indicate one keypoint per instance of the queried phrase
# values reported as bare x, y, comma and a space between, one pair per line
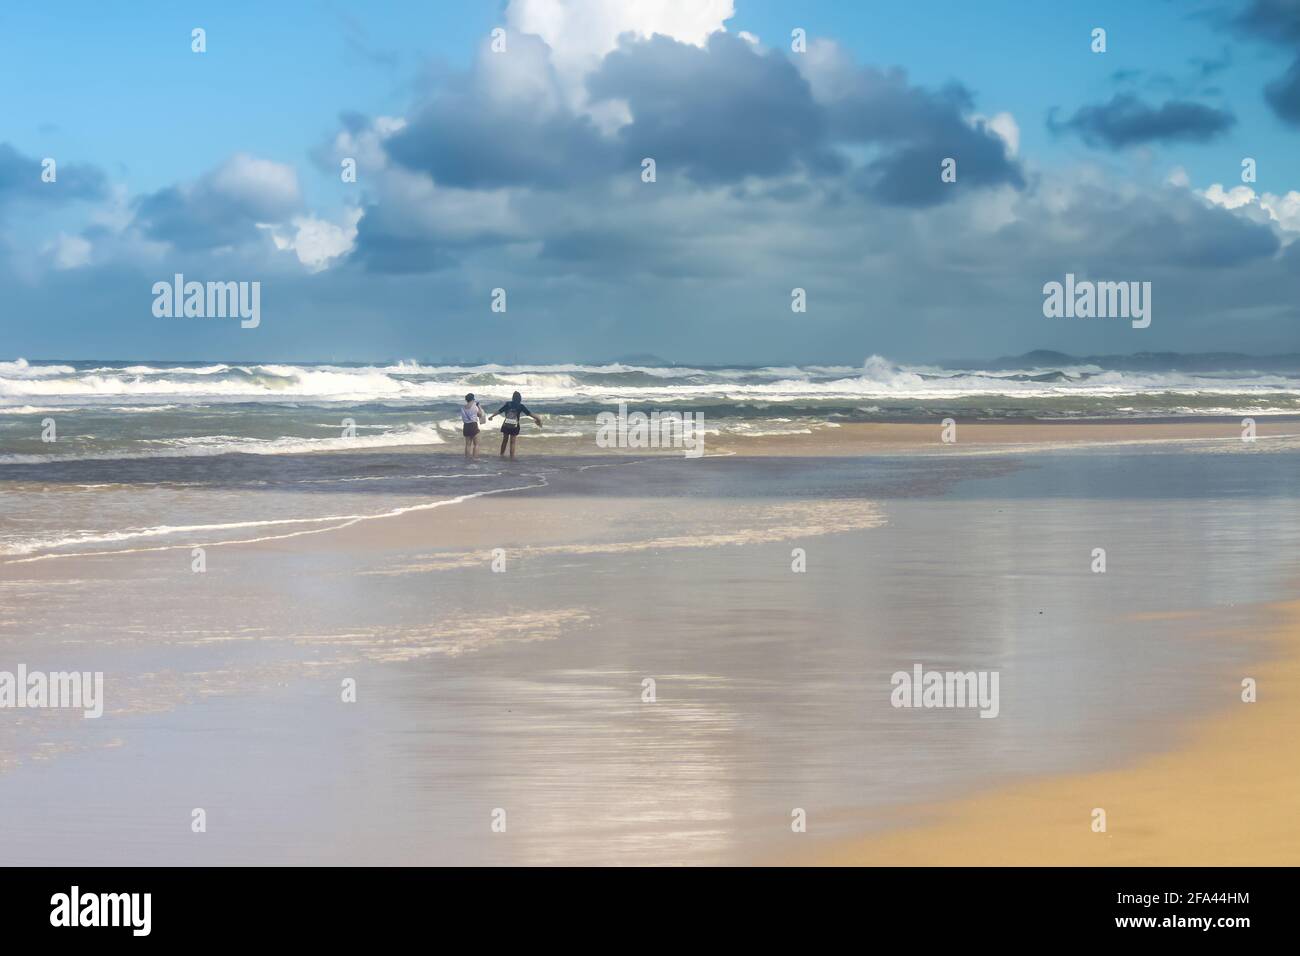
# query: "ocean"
132, 410
171, 451
207, 538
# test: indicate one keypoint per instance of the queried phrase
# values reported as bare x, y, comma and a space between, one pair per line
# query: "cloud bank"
774, 169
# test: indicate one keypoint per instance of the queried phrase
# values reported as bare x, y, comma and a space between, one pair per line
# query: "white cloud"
525, 74
257, 183
1232, 198
317, 241
581, 32
1006, 127
366, 145
1285, 210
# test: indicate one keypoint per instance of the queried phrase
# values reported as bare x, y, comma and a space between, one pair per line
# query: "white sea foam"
46, 386
189, 447
21, 369
200, 535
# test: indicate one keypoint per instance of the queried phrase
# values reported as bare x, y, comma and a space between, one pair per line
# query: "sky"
515, 162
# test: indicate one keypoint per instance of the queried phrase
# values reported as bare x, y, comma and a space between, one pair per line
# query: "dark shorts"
510, 428
470, 429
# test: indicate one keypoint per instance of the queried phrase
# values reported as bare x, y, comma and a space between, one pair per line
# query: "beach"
1224, 797
673, 433
497, 624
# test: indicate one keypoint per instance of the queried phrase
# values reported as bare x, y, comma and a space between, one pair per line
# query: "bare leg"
469, 444
512, 447
504, 440
475, 445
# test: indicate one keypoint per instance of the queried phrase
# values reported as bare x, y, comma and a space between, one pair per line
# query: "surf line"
328, 481
347, 522
647, 461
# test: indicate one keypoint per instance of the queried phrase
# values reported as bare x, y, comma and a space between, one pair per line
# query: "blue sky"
166, 143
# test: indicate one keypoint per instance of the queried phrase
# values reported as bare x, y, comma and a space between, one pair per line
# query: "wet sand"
1227, 797
861, 438
524, 689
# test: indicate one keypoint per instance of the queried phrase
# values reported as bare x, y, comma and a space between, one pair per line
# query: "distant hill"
1139, 362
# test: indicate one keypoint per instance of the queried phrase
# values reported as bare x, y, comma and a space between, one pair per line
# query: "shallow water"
130, 410
523, 691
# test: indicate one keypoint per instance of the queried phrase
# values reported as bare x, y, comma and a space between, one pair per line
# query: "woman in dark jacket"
513, 410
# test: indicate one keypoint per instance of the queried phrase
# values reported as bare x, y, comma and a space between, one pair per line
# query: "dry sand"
1227, 799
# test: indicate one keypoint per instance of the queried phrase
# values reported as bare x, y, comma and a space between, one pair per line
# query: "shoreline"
543, 668
920, 440
1226, 797
856, 438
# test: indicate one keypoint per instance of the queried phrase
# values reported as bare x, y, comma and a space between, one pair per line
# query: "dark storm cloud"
728, 114
1188, 235
715, 115
910, 176
1115, 233
729, 111
468, 135
1128, 121
383, 252
1274, 20
600, 276
718, 114
916, 130
20, 178
169, 215
774, 172
880, 106
1283, 94
1278, 22
462, 141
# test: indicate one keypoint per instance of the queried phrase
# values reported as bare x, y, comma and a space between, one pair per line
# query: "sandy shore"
524, 688
1226, 799
864, 438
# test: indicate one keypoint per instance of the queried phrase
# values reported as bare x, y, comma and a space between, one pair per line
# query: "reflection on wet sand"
524, 689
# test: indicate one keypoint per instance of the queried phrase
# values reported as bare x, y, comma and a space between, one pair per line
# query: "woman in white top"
471, 415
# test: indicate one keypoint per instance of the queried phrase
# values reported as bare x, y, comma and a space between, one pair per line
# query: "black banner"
335, 905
